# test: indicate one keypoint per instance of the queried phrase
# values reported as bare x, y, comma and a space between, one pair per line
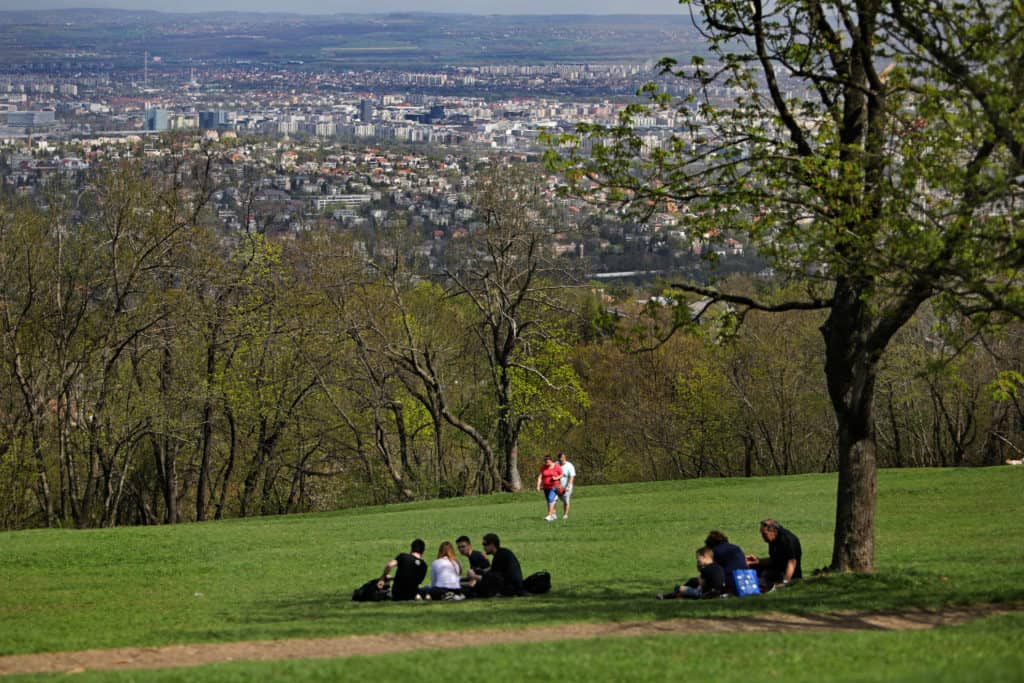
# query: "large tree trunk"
512, 478
508, 437
853, 546
856, 335
850, 369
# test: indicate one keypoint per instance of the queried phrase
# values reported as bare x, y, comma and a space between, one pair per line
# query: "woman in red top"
550, 478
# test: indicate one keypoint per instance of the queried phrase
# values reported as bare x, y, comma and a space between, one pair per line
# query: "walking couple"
556, 481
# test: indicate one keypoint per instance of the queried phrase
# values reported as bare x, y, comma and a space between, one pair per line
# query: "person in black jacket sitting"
782, 566
505, 563
411, 570
710, 583
478, 562
504, 577
727, 555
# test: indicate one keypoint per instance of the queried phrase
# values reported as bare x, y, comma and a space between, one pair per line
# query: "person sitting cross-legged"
709, 584
445, 573
478, 562
410, 570
782, 566
729, 555
505, 576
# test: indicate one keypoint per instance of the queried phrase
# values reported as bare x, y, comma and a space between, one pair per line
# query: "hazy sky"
369, 6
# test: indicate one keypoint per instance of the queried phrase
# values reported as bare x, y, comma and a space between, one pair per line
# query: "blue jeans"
689, 592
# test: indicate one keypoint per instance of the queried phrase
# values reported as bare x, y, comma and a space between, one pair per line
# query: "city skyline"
360, 7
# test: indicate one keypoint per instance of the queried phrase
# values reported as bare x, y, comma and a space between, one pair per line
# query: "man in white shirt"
568, 477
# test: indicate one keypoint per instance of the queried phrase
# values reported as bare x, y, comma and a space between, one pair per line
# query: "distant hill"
120, 36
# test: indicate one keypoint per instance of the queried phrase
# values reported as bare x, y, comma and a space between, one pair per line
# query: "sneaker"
458, 596
550, 518
565, 516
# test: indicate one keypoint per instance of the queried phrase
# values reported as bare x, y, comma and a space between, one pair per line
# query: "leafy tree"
641, 420
511, 280
27, 262
940, 404
389, 419
874, 150
786, 422
266, 380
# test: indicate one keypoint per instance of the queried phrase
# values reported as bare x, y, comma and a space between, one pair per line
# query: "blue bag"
746, 582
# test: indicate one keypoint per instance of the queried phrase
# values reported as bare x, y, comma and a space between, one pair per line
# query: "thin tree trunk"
203, 484
508, 430
229, 467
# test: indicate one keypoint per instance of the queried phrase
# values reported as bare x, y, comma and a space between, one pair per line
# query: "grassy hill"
944, 537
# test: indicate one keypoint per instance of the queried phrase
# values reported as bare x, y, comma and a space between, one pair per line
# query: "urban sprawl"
349, 148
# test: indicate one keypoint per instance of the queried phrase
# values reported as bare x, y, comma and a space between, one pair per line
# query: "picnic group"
502, 575
723, 568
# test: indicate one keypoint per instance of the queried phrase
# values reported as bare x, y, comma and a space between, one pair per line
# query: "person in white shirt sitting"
445, 572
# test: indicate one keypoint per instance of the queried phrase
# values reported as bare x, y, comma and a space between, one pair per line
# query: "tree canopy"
871, 150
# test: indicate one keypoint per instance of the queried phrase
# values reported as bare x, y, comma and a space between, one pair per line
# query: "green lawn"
987, 650
944, 537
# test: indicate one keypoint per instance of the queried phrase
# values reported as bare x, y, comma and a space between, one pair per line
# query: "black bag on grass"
537, 583
369, 592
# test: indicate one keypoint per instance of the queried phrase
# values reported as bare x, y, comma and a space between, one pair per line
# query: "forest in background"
157, 370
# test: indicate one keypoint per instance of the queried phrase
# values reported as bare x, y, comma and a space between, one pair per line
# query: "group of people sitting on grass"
718, 561
501, 575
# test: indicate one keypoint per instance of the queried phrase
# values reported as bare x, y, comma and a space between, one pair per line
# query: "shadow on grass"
826, 603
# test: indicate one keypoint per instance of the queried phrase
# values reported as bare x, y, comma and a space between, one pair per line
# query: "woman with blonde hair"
444, 574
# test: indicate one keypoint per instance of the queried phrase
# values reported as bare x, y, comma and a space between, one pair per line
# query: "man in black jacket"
504, 564
782, 566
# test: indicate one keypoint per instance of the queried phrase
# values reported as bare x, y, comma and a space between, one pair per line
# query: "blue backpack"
746, 582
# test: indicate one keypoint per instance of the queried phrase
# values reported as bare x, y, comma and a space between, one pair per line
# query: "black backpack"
537, 583
369, 592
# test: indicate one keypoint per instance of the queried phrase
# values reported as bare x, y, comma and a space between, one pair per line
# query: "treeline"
755, 402
156, 370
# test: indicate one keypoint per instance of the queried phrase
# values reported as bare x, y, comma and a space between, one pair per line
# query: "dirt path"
347, 646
